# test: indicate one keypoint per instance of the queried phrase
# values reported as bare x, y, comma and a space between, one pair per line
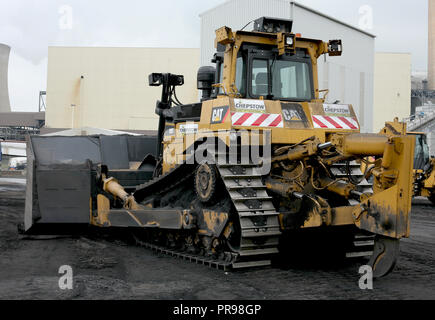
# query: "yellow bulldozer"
232, 179
424, 165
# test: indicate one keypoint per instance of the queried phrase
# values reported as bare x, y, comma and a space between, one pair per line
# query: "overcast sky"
30, 26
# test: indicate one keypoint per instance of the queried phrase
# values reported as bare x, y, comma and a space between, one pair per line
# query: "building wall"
392, 94
236, 14
108, 87
349, 77
4, 91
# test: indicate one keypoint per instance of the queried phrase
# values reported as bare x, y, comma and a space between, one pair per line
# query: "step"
241, 176
364, 236
364, 243
359, 254
238, 187
265, 206
245, 165
254, 252
249, 264
260, 233
244, 183
258, 214
249, 192
259, 198
248, 244
248, 223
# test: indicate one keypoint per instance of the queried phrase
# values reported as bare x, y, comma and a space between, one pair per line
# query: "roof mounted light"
289, 40
273, 25
286, 43
335, 47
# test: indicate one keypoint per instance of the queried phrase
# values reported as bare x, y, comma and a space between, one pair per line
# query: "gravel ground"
111, 269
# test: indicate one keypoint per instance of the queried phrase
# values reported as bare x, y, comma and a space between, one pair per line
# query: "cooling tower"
431, 45
4, 93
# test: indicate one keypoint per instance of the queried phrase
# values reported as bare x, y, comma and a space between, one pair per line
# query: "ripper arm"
386, 210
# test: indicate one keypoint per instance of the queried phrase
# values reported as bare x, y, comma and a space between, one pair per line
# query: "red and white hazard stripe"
333, 122
247, 119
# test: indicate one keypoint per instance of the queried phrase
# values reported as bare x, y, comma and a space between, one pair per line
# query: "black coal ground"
105, 268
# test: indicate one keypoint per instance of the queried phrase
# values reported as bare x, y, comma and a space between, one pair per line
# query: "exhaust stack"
4, 93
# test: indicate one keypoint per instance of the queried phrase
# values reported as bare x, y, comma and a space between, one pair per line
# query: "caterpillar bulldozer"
236, 178
424, 164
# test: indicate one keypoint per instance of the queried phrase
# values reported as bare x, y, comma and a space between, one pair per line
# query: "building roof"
89, 131
22, 119
332, 19
303, 7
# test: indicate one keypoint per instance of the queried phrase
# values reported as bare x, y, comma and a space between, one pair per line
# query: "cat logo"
219, 114
294, 115
291, 115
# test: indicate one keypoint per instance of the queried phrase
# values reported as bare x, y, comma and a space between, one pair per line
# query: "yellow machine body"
424, 166
384, 212
231, 213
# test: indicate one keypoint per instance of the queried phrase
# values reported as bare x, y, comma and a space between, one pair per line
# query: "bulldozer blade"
61, 177
384, 258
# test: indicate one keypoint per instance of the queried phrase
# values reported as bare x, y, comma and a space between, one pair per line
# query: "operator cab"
263, 72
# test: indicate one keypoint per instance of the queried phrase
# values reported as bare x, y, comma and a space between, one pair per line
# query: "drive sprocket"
205, 182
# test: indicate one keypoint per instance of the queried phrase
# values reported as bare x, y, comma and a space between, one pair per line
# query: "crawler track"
259, 225
256, 228
255, 219
198, 259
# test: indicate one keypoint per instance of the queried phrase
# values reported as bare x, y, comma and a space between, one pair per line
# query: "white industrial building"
108, 88
392, 93
349, 78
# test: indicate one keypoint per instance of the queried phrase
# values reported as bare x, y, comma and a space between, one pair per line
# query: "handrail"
420, 119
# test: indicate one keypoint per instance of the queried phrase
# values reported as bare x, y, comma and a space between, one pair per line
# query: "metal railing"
42, 98
421, 93
419, 119
17, 133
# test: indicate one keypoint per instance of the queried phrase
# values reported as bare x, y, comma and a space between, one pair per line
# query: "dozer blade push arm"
386, 212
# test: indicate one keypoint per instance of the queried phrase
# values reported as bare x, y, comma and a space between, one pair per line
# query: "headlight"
289, 41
